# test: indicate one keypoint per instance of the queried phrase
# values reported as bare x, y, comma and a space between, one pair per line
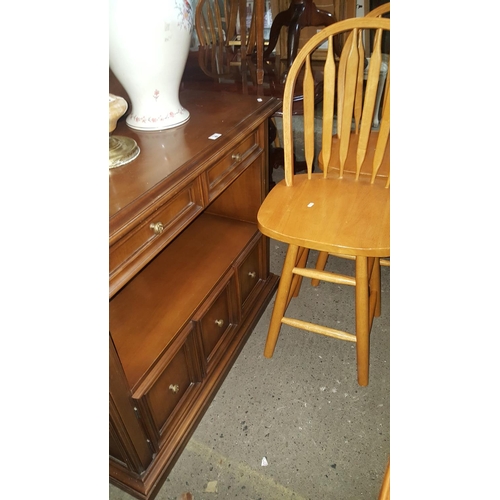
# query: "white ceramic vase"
148, 48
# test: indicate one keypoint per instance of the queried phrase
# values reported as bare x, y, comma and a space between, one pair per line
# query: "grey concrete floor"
322, 435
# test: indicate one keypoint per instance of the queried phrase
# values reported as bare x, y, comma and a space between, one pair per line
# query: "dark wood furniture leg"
277, 156
300, 14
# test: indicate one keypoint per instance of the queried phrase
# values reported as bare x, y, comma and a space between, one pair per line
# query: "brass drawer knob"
157, 227
219, 322
252, 274
174, 388
236, 157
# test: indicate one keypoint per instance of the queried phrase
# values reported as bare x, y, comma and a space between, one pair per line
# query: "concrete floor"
322, 435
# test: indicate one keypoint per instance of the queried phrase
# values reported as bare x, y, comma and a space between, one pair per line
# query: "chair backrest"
344, 92
216, 23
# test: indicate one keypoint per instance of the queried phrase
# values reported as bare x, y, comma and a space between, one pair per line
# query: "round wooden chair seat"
358, 215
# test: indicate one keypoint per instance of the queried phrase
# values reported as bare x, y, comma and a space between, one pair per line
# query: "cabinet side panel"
127, 432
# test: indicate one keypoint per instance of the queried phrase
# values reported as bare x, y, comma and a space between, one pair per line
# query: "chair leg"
375, 285
385, 488
362, 321
320, 266
281, 301
303, 254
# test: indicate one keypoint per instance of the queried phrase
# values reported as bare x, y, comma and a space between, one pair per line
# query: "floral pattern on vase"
149, 44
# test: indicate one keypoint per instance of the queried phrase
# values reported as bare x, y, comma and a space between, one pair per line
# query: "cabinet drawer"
216, 320
157, 229
250, 273
224, 171
171, 387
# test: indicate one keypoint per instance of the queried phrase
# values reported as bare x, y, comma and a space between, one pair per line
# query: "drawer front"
171, 388
250, 273
223, 172
157, 229
216, 321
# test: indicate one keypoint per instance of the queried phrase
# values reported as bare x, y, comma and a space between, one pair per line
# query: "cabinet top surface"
169, 157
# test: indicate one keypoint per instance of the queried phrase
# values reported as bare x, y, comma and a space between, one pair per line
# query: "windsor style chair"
344, 209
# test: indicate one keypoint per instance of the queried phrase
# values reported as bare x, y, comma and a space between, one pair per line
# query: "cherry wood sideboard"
188, 276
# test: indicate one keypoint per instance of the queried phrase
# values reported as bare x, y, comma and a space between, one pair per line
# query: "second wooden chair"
345, 209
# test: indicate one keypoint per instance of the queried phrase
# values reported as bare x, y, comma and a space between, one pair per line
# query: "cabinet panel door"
171, 387
251, 273
217, 319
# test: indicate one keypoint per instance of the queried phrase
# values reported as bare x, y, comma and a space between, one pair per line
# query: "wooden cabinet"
189, 276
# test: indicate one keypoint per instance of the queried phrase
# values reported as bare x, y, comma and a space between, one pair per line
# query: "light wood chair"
344, 209
216, 23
